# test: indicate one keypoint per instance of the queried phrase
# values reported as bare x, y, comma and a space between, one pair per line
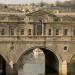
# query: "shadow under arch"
51, 60
5, 68
2, 66
31, 48
71, 68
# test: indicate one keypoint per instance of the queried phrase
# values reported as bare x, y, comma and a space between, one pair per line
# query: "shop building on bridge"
39, 29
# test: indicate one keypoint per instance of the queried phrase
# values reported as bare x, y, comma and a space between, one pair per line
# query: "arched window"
65, 48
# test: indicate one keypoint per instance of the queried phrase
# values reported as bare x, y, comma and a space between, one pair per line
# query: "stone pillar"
15, 69
9, 70
42, 29
64, 67
60, 68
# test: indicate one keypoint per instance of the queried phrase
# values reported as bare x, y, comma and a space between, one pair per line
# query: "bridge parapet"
36, 38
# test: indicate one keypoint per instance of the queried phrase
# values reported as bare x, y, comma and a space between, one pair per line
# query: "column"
34, 32
9, 70
42, 29
60, 68
15, 69
64, 67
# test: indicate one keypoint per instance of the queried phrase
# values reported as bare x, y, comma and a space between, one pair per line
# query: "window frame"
12, 31
57, 32
22, 31
65, 32
3, 31
49, 32
29, 31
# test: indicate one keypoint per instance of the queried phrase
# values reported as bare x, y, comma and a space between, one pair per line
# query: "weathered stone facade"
19, 33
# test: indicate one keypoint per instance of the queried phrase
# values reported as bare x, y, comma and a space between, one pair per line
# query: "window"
22, 31
39, 29
65, 31
74, 32
2, 32
65, 47
12, 32
56, 19
49, 32
57, 31
29, 31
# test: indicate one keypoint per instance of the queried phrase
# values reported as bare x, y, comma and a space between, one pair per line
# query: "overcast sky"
25, 1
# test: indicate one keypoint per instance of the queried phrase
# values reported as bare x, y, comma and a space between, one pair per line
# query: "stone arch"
70, 58
71, 69
33, 47
44, 50
4, 57
4, 64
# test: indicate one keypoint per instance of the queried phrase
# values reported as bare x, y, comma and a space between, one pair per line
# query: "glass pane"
22, 31
65, 31
39, 29
49, 33
29, 32
12, 31
2, 32
57, 31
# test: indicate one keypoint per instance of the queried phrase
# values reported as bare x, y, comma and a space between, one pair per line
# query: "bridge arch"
2, 66
5, 68
71, 68
49, 55
4, 57
33, 47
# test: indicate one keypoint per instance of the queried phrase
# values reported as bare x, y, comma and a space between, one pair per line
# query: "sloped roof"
41, 12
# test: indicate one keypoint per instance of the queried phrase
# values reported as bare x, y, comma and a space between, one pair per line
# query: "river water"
33, 64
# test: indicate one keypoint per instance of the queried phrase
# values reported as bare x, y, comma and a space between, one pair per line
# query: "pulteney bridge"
22, 34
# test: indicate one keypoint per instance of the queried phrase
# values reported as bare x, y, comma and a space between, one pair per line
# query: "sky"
26, 1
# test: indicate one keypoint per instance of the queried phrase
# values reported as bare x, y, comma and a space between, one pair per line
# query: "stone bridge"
54, 35
14, 48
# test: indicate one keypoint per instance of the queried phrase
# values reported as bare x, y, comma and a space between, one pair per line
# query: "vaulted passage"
2, 66
38, 61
